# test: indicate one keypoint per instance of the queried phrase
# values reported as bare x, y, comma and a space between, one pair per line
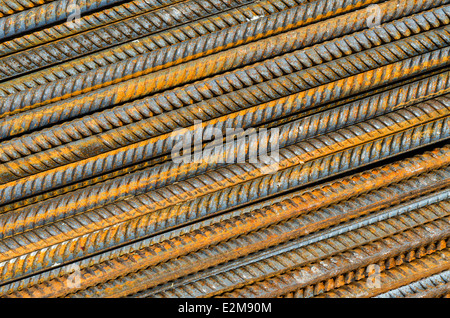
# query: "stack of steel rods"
135, 138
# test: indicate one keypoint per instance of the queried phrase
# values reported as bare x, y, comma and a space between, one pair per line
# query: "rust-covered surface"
135, 138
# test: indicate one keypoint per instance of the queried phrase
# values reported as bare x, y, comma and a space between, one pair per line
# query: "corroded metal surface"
354, 94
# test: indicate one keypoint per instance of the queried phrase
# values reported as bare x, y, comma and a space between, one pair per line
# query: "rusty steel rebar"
421, 91
301, 153
172, 100
214, 16
81, 185
371, 272
317, 124
160, 145
124, 289
127, 71
8, 7
314, 287
197, 69
430, 287
368, 235
360, 257
397, 276
89, 167
84, 23
63, 207
88, 147
53, 12
273, 261
430, 88
130, 29
436, 292
123, 217
246, 223
118, 166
